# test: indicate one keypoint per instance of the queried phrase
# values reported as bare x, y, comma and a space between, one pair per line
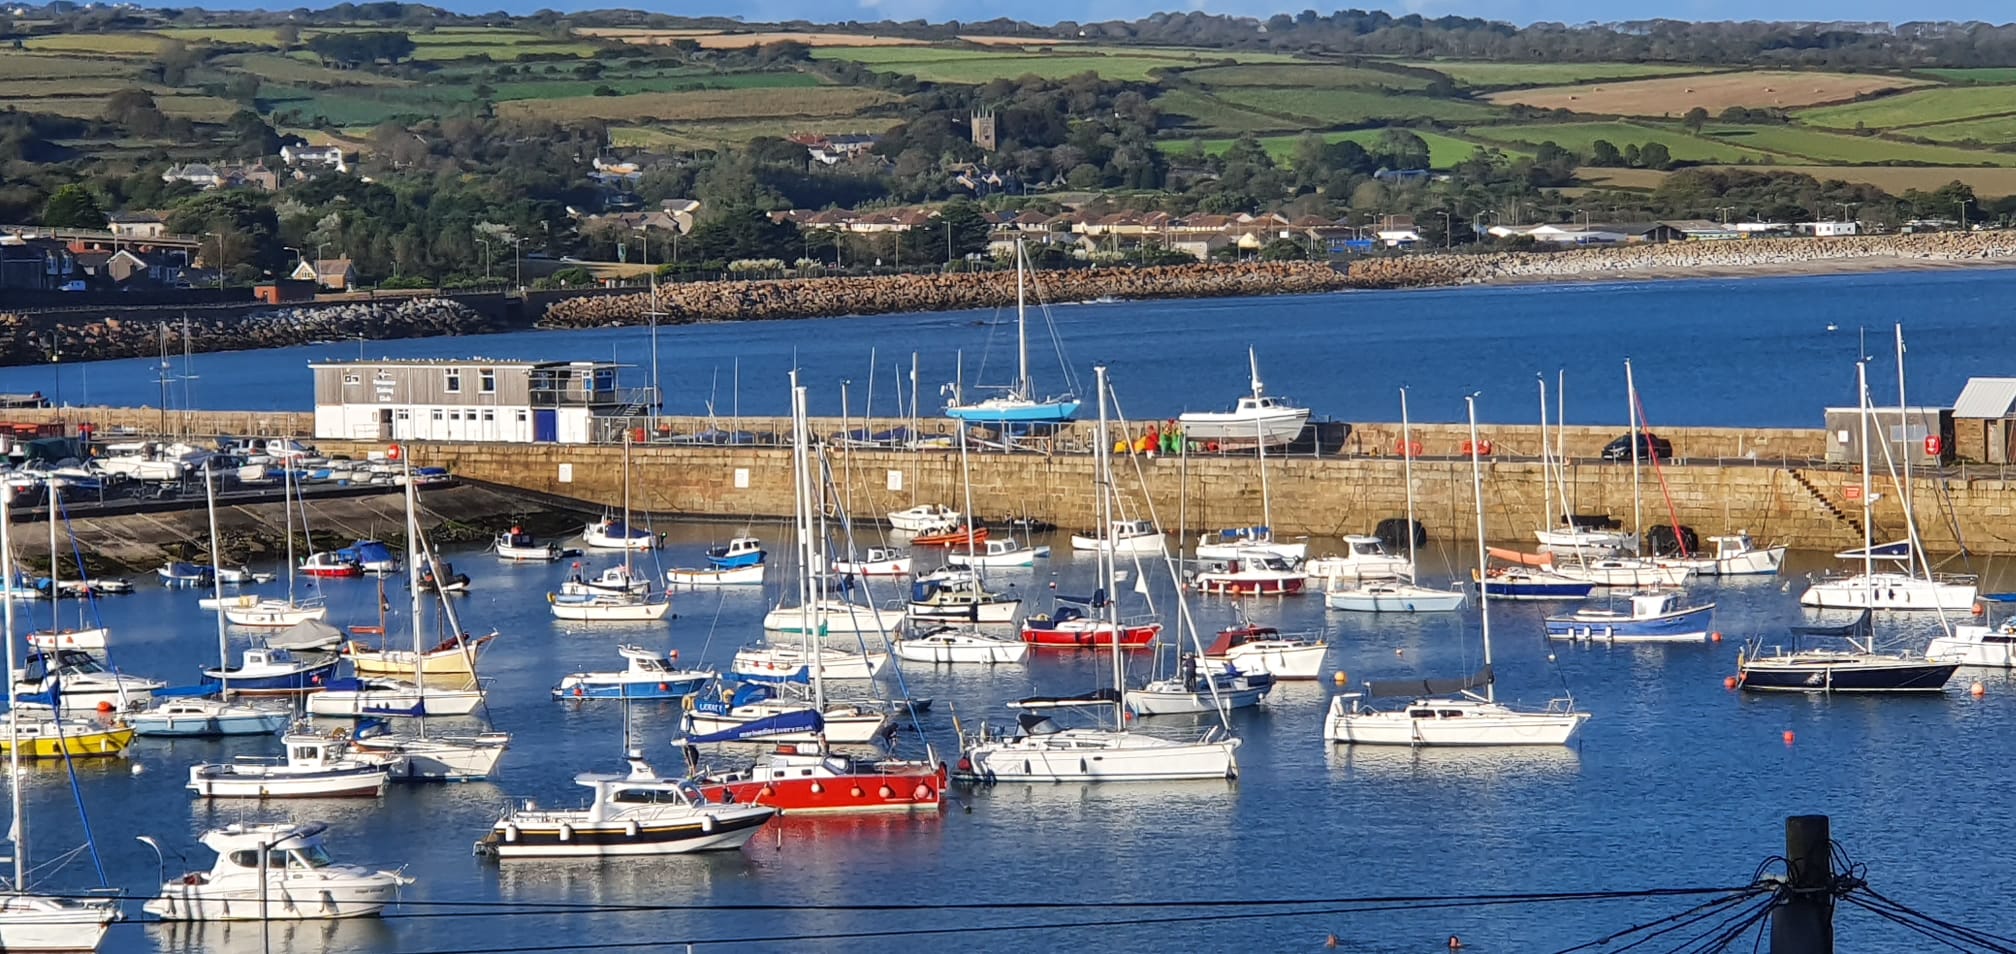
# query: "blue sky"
1517, 11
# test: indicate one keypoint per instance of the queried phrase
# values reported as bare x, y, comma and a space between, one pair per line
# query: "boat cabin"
645, 661
67, 662
1647, 605
742, 547
1234, 637
297, 847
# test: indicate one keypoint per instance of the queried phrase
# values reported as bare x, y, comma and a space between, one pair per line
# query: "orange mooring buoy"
1789, 737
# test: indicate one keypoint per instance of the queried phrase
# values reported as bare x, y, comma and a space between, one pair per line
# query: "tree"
72, 207
1654, 155
287, 34
1401, 149
961, 219
1603, 152
1283, 250
1695, 119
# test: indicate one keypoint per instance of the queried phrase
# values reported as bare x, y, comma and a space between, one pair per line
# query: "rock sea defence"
115, 332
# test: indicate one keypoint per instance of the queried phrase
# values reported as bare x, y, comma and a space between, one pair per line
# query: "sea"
1676, 782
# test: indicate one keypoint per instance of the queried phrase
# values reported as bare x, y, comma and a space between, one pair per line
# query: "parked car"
73, 285
1650, 447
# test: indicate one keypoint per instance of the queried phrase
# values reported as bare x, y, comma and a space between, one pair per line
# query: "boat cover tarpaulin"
1520, 557
783, 723
1860, 627
1096, 697
1901, 550
1997, 597
802, 676
1096, 600
307, 634
1416, 688
1242, 533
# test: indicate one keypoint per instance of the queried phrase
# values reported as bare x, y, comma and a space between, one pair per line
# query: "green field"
943, 65
363, 105
202, 109
16, 65
554, 89
1200, 112
1916, 108
1983, 75
1580, 137
713, 135
1350, 107
1443, 150
1852, 150
278, 68
1991, 130
117, 44
247, 36
1302, 76
702, 106
1547, 74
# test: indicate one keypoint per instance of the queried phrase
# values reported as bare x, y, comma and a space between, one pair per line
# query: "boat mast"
1102, 478
808, 582
1546, 475
916, 446
216, 589
1407, 470
1260, 446
1868, 543
1022, 388
55, 565
416, 551
19, 835
1904, 488
1637, 502
287, 515
966, 480
1561, 448
1483, 584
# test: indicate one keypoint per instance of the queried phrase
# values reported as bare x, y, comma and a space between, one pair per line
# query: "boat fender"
687, 703
817, 788
887, 792
566, 832
855, 791
922, 792
631, 829
664, 687
707, 823
510, 833
768, 791
549, 598
578, 693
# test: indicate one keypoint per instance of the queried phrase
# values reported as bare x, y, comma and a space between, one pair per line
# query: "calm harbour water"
1675, 782
1750, 352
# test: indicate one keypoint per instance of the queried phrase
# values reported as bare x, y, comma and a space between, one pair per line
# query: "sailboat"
279, 614
1400, 595
1042, 751
1629, 567
620, 605
1018, 403
1447, 712
1577, 536
965, 644
197, 712
30, 921
87, 635
45, 737
1859, 668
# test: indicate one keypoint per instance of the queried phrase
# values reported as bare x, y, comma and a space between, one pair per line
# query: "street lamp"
518, 263
486, 257
1963, 213
1725, 210
1448, 235
657, 396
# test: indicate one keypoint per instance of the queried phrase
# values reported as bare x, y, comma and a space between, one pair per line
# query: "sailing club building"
472, 399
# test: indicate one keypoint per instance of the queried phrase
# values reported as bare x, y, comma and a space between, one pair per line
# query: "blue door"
545, 426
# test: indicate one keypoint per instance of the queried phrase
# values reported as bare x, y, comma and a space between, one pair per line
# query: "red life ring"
393, 453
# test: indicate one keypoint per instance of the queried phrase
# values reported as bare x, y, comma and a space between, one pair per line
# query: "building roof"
331, 267
462, 363
1986, 398
132, 218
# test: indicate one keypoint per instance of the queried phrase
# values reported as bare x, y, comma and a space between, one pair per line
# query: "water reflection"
1500, 764
283, 937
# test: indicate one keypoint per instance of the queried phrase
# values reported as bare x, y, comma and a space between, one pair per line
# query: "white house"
472, 399
1829, 229
329, 156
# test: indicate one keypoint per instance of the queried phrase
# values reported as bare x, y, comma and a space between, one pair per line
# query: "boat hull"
209, 726
1015, 558
751, 575
1302, 661
412, 703
308, 678
1283, 585
220, 781
604, 839
833, 617
1890, 592
1473, 730
613, 686
1144, 543
992, 611
1975, 646
1015, 761
1097, 636
87, 639
1394, 599
539, 554
273, 615
1846, 674
97, 743
915, 788
1292, 552
442, 760
1146, 702
447, 664
286, 900
1683, 626
960, 650
1237, 430
789, 663
596, 612
851, 728
53, 924
1015, 412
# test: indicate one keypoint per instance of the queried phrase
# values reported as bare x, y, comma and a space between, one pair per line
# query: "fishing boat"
737, 552
811, 779
1072, 625
833, 617
1198, 688
960, 597
957, 535
751, 575
275, 671
1228, 543
176, 573
520, 547
1988, 644
274, 872
1650, 617
71, 680
924, 517
440, 577
315, 766
1734, 555
879, 561
1007, 552
1017, 403
1448, 711
952, 645
647, 674
610, 533
638, 813
1254, 573
1256, 419
330, 564
371, 556
1265, 650
1122, 536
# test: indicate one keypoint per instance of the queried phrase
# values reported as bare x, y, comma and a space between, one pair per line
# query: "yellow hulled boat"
43, 739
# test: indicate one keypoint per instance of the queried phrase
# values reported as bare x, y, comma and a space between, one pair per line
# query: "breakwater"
112, 332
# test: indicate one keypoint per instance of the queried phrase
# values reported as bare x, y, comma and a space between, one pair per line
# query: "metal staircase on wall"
1824, 501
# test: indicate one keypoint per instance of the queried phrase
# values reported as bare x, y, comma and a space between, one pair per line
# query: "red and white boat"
1254, 573
328, 564
1263, 649
880, 561
955, 537
1070, 628
805, 779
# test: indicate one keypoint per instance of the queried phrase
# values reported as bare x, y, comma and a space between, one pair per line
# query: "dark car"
1650, 447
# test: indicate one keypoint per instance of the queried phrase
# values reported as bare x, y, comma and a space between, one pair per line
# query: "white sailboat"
1447, 712
1043, 751
278, 614
1576, 537
624, 603
1401, 594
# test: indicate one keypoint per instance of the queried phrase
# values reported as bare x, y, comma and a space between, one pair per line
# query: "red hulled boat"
1070, 628
806, 779
951, 538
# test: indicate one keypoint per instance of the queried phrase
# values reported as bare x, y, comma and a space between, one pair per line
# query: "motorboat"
275, 671
1527, 583
1199, 687
960, 599
44, 922
249, 610
1255, 573
610, 533
1255, 419
381, 698
1043, 751
81, 589
751, 575
833, 617
241, 576
924, 517
1265, 650
330, 564
807, 779
440, 577
1886, 590
47, 738
783, 662
90, 638
1006, 552
176, 573
1987, 644
946, 644
1858, 668
315, 766
608, 607
520, 547
614, 579
951, 535
1228, 543
71, 680
1123, 536
206, 718
143, 460
647, 674
879, 561
451, 662
1393, 596
1734, 555
1651, 617
296, 880
638, 813
1069, 626
372, 556
737, 552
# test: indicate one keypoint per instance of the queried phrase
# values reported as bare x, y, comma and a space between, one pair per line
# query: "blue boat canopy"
1900, 550
1997, 597
186, 692
1242, 533
783, 723
1096, 600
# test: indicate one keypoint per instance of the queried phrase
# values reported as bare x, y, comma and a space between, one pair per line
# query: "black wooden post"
1803, 922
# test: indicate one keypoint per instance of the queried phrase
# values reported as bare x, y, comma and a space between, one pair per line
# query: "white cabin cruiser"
315, 766
639, 813
1364, 558
1123, 536
1256, 419
924, 518
1230, 542
879, 561
71, 680
296, 880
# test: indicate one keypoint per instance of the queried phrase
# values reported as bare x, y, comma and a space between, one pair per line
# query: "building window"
489, 415
521, 417
437, 413
353, 378
486, 381
402, 414
454, 381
